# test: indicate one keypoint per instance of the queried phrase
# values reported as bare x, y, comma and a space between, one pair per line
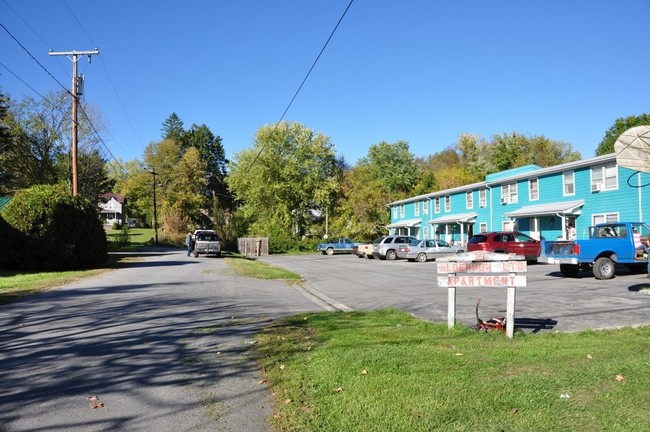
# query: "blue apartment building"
534, 200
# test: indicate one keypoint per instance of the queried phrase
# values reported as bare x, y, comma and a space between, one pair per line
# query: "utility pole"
155, 211
73, 55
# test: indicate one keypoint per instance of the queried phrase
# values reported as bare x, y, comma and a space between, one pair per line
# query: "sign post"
482, 269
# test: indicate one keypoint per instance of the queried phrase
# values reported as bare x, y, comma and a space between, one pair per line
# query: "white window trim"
436, 204
416, 208
447, 203
395, 213
597, 186
401, 210
615, 217
483, 227
469, 199
564, 183
482, 201
530, 189
509, 193
425, 207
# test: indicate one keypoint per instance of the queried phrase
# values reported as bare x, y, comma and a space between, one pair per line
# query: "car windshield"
208, 237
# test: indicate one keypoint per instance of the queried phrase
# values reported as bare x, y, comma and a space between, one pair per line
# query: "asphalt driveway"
165, 344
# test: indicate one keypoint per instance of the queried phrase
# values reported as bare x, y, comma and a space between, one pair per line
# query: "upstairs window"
416, 208
469, 199
604, 177
395, 212
482, 199
568, 183
425, 207
447, 203
509, 193
401, 211
437, 204
533, 190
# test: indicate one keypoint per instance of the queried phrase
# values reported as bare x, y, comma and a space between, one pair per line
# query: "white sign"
483, 267
453, 280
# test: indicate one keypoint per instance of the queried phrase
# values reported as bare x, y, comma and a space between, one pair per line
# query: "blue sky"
419, 71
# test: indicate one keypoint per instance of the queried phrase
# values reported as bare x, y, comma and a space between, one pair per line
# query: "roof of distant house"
117, 196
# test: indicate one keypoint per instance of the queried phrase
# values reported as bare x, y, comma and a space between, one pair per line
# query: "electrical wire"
295, 95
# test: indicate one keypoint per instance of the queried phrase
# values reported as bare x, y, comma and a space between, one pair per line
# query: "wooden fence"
253, 246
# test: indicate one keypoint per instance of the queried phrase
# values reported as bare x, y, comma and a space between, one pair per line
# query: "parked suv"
387, 247
511, 242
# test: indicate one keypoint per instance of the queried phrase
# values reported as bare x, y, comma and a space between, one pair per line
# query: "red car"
505, 242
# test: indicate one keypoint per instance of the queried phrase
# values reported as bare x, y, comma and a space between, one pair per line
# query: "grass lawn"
259, 269
387, 371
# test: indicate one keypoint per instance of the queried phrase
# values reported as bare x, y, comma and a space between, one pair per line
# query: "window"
483, 225
447, 203
395, 212
416, 208
533, 190
482, 200
469, 199
425, 207
604, 218
568, 183
506, 226
604, 177
509, 193
401, 211
426, 232
437, 205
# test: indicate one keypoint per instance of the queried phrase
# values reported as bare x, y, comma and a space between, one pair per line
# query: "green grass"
258, 269
421, 376
137, 237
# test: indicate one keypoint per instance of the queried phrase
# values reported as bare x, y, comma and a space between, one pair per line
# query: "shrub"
60, 232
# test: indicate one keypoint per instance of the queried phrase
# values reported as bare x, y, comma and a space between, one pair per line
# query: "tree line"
290, 185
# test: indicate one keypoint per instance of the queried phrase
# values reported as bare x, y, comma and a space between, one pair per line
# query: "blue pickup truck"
608, 244
342, 245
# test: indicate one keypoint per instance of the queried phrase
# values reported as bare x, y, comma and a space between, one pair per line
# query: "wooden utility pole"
73, 55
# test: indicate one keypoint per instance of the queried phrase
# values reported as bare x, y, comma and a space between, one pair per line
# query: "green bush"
60, 232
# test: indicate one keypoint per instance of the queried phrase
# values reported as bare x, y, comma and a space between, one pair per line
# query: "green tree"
173, 128
394, 164
289, 171
622, 124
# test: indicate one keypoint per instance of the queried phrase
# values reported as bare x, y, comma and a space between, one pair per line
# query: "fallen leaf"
459, 354
338, 390
364, 372
95, 405
619, 378
261, 382
589, 356
287, 401
92, 398
565, 396
282, 367
514, 411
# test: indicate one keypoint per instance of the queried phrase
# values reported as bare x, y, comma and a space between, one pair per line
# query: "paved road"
164, 344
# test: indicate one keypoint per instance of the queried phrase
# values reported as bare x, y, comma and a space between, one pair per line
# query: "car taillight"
576, 249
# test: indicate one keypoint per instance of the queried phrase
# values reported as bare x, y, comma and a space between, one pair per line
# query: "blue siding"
627, 201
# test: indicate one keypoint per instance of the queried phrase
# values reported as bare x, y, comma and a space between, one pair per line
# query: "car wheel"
196, 254
218, 254
370, 256
422, 257
569, 270
460, 251
391, 255
329, 251
604, 268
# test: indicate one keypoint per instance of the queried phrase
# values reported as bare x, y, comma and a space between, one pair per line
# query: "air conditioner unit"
596, 187
504, 200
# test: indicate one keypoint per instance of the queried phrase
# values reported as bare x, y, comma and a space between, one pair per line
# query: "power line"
303, 81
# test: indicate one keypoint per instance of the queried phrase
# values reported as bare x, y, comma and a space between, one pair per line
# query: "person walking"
189, 243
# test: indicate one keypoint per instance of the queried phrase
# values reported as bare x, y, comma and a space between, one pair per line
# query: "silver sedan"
425, 250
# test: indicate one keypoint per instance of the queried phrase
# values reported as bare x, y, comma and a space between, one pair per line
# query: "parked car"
511, 242
342, 245
388, 247
424, 250
363, 250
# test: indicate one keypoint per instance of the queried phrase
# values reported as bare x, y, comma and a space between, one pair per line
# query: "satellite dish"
633, 149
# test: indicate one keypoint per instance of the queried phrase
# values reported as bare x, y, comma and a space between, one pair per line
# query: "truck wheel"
569, 270
371, 256
604, 268
196, 254
329, 251
218, 254
422, 257
391, 255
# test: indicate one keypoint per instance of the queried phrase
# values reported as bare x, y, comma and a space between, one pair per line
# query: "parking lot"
549, 302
